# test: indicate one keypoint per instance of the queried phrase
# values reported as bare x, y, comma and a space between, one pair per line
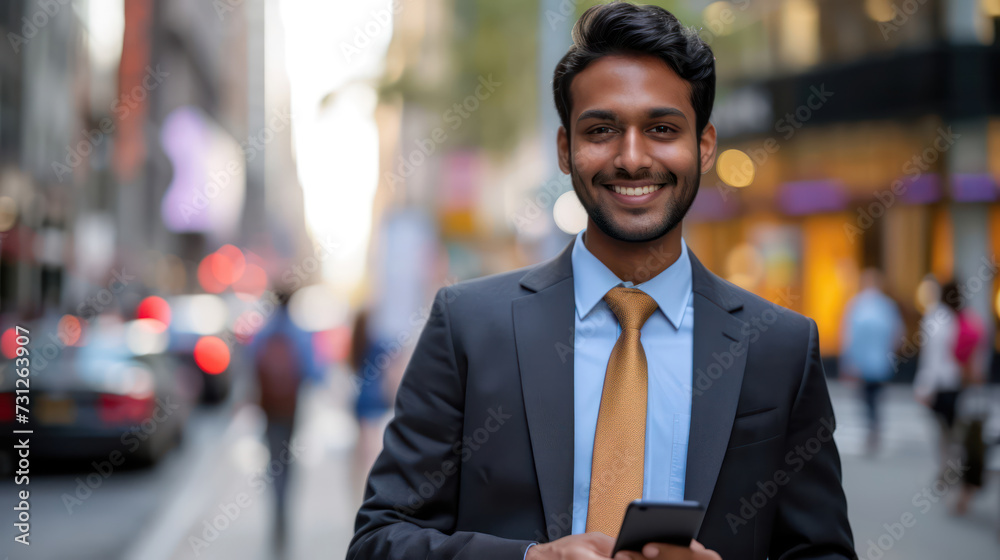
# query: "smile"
635, 191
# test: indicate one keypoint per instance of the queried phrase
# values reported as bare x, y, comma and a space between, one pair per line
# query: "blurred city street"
223, 226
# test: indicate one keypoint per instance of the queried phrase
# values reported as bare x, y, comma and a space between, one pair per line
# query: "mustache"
658, 178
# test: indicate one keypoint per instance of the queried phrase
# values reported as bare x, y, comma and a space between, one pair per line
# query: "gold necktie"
620, 441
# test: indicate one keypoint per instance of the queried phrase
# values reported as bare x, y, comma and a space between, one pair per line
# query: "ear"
562, 146
707, 143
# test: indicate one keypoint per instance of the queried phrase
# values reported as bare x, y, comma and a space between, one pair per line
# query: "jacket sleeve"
811, 517
411, 498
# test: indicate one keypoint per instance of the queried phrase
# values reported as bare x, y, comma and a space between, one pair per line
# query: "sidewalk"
233, 513
897, 486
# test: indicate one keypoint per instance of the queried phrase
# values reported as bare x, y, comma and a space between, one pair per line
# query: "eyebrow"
654, 113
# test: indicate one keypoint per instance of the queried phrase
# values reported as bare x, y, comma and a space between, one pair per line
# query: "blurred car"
197, 326
116, 391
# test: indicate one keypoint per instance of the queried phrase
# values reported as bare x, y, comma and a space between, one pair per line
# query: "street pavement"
898, 484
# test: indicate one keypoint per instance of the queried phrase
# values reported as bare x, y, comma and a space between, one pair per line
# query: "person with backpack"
971, 333
283, 359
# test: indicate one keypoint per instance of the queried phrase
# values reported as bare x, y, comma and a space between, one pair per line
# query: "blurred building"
864, 133
869, 137
154, 129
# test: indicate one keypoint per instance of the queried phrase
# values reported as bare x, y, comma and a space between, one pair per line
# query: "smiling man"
539, 403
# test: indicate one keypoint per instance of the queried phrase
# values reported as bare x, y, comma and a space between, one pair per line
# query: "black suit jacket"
478, 460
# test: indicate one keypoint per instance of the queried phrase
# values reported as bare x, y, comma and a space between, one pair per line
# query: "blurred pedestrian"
370, 361
973, 405
938, 381
284, 358
872, 331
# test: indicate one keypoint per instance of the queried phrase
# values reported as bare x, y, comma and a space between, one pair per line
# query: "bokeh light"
252, 283
211, 354
735, 168
156, 308
70, 330
569, 214
206, 274
228, 265
8, 343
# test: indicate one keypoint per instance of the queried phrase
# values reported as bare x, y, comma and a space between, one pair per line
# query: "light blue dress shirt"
668, 340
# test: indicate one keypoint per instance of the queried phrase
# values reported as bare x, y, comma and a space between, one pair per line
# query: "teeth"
633, 191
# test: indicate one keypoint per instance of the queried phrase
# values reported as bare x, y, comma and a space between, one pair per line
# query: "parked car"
114, 390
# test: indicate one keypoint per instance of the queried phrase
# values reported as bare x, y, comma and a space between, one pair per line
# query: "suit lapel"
717, 381
543, 333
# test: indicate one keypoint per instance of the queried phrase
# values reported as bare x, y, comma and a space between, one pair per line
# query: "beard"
677, 202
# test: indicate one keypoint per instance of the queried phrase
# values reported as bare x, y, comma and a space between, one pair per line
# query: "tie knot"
631, 306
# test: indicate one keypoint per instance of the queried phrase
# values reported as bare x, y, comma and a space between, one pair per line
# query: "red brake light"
6, 407
211, 354
117, 409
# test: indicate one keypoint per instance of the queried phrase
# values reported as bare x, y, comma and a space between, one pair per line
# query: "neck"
634, 261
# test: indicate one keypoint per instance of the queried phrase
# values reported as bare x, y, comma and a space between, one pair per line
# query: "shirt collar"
671, 288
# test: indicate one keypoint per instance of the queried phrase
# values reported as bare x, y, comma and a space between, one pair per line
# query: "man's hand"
670, 552
586, 546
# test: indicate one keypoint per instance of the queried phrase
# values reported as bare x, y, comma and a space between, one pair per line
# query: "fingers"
601, 542
665, 551
702, 552
671, 552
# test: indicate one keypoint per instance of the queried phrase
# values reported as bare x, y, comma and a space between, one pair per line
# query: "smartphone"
669, 523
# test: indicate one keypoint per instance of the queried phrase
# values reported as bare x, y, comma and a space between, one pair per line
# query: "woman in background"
938, 381
970, 352
369, 360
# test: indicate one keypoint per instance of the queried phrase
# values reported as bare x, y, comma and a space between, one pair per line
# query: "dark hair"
359, 342
951, 296
623, 28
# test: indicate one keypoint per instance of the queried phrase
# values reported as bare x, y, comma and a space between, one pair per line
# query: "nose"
632, 152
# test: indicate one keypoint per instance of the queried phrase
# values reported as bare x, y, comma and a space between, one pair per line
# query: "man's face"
632, 126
